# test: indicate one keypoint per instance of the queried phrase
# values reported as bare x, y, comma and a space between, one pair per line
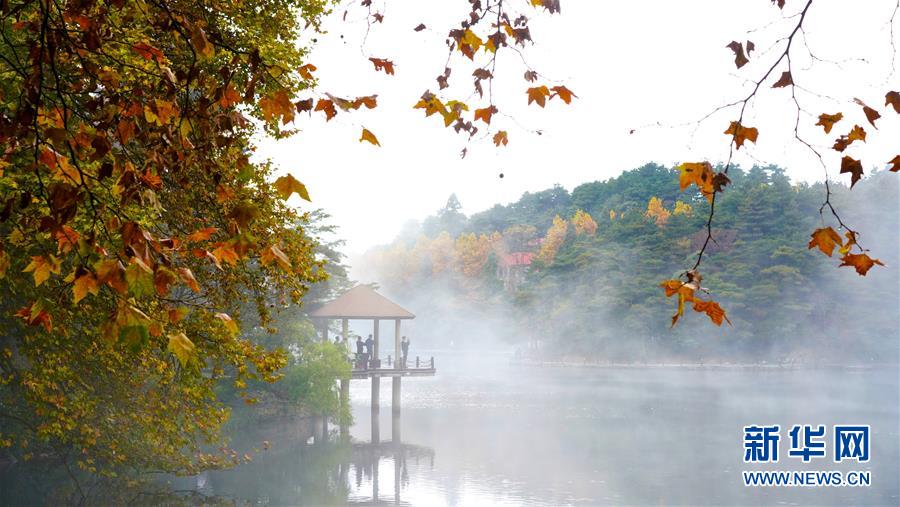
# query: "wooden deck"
389, 368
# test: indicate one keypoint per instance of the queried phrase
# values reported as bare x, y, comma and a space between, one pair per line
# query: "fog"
537, 401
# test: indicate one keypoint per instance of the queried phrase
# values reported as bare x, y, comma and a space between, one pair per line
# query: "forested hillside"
577, 273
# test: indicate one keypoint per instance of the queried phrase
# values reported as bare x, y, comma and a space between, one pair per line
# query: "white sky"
632, 64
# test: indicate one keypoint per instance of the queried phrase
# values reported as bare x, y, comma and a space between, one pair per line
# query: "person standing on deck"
404, 348
370, 347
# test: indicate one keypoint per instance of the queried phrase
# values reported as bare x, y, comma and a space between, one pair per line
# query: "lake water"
486, 432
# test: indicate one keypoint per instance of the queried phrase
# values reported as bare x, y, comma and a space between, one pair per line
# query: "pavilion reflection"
364, 467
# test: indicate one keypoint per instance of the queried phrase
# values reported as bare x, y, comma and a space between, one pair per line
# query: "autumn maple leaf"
287, 185
826, 239
828, 120
697, 173
538, 94
741, 133
367, 135
852, 166
861, 262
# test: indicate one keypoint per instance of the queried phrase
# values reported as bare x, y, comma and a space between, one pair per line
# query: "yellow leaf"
226, 253
274, 253
84, 285
287, 185
182, 347
42, 267
367, 135
698, 173
4, 263
229, 323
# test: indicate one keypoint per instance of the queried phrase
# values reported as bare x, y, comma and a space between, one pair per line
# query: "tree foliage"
135, 221
600, 296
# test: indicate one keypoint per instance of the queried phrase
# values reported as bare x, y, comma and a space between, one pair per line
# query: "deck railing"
359, 365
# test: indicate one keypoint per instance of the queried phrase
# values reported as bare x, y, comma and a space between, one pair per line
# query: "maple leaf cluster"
134, 226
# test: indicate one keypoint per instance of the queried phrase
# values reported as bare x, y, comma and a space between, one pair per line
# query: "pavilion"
364, 303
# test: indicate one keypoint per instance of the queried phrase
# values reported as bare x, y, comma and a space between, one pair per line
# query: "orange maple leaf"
564, 93
370, 101
202, 234
66, 239
327, 107
384, 65
35, 315
306, 71
785, 80
501, 138
828, 120
871, 114
740, 133
861, 262
852, 166
188, 278
367, 135
893, 99
484, 114
826, 239
538, 94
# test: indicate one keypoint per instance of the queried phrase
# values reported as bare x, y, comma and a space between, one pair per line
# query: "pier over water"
364, 303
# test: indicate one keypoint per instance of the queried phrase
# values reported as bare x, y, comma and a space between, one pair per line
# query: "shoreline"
699, 366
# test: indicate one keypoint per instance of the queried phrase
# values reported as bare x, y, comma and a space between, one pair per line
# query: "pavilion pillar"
395, 429
395, 396
376, 386
397, 340
376, 438
397, 474
375, 337
324, 330
344, 417
345, 331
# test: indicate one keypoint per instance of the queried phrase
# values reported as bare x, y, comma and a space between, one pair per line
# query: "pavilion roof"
362, 302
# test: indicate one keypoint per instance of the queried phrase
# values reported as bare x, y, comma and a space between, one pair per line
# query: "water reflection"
333, 471
369, 464
495, 434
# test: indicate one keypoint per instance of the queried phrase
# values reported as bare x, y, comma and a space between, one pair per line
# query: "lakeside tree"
135, 224
135, 221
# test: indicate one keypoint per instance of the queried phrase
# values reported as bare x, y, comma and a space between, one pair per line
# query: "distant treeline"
577, 273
